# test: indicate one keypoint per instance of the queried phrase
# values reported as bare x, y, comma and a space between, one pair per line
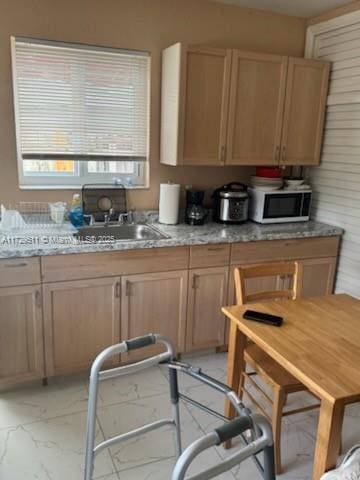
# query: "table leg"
328, 439
236, 365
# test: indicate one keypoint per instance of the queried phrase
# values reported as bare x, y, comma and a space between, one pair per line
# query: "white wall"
336, 182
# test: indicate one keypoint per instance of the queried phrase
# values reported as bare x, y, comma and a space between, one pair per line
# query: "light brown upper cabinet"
195, 98
306, 91
257, 96
229, 107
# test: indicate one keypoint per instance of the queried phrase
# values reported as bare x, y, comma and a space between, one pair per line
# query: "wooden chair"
277, 378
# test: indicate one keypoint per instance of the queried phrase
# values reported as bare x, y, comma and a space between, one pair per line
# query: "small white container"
57, 212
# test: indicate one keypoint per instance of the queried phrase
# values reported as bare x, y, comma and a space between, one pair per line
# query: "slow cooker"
231, 203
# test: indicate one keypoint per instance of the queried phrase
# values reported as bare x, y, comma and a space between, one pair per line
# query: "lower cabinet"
318, 276
59, 327
81, 318
154, 303
207, 294
21, 334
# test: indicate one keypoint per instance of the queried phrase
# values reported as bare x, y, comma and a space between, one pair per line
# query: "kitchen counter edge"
180, 235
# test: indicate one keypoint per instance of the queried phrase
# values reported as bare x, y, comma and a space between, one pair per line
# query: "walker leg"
174, 394
91, 423
269, 463
176, 416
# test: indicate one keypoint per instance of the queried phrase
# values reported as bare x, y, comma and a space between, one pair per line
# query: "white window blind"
336, 182
79, 102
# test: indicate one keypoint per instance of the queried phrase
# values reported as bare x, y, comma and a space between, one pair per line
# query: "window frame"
139, 180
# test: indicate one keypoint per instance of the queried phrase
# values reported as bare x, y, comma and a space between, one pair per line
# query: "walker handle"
233, 428
263, 443
140, 342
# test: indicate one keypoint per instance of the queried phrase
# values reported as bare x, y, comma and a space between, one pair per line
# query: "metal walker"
257, 426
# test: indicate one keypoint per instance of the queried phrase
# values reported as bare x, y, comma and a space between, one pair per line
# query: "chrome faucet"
127, 217
107, 217
90, 219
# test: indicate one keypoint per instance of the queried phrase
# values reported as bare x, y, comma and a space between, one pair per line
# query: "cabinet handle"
16, 265
283, 154
38, 298
128, 288
215, 249
223, 154
117, 289
277, 153
194, 281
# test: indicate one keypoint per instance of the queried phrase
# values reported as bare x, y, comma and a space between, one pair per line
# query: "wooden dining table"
319, 344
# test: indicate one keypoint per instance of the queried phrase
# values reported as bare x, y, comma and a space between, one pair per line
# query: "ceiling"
298, 8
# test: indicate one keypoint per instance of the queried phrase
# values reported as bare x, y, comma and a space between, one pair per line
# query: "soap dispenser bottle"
76, 214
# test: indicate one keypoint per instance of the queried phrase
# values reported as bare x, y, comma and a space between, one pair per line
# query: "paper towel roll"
169, 203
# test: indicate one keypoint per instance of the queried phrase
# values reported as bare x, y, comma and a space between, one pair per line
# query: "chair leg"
279, 400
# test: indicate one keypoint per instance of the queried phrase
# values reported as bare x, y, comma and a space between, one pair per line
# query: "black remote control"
273, 320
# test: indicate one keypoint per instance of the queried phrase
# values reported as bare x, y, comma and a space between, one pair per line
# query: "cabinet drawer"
108, 264
256, 252
19, 271
209, 256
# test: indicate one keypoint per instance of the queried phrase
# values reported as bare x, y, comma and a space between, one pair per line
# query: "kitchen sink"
105, 233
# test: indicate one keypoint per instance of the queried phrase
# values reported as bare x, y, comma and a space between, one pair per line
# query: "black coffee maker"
195, 213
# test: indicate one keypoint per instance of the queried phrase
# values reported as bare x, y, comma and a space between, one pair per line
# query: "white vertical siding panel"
336, 182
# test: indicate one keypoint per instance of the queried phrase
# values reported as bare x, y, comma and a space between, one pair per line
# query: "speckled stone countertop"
179, 235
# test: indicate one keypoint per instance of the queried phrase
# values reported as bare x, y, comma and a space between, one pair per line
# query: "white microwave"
279, 206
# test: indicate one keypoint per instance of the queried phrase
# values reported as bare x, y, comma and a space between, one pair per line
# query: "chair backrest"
289, 270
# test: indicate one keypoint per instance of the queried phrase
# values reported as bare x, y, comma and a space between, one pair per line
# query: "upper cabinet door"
306, 93
203, 114
257, 96
194, 111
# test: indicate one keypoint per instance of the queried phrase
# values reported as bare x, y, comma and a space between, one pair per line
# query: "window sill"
73, 187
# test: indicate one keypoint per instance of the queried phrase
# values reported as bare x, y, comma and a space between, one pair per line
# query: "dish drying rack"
31, 218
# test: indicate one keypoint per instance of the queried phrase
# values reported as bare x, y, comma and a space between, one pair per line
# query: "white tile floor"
42, 429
